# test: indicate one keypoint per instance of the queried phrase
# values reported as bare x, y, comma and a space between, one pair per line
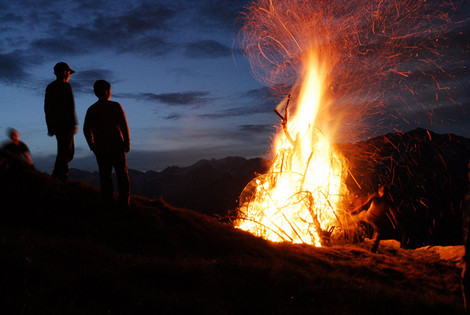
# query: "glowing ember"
340, 57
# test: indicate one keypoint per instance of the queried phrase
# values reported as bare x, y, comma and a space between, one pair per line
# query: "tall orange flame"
297, 200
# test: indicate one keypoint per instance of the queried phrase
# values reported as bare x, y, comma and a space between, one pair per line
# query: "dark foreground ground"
62, 252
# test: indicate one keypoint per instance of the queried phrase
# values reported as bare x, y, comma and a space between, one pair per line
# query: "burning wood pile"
298, 199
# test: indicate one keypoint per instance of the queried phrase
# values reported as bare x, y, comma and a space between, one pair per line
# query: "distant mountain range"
209, 186
426, 172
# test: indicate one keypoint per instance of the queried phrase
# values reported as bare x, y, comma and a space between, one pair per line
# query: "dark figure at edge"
377, 214
466, 258
107, 134
59, 107
17, 147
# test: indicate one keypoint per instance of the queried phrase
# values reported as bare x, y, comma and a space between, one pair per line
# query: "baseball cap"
62, 66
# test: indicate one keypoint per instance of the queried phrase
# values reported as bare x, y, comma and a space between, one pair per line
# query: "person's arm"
87, 132
28, 158
125, 131
25, 152
359, 208
72, 109
48, 112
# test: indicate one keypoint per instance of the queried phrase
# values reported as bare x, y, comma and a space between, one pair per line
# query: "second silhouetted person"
107, 135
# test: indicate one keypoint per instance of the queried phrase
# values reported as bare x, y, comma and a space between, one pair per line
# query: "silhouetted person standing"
59, 107
107, 135
17, 147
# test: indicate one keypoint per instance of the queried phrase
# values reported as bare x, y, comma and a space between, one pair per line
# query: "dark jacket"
59, 107
105, 128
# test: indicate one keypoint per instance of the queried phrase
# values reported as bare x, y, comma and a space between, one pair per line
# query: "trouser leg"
105, 167
465, 284
120, 166
65, 152
375, 242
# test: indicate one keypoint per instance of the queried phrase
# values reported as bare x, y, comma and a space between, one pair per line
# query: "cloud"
131, 22
11, 18
257, 93
219, 13
256, 129
190, 98
149, 46
231, 112
235, 112
258, 101
181, 71
57, 47
141, 29
93, 75
184, 99
15, 65
173, 116
83, 80
143, 18
206, 49
87, 26
55, 30
12, 66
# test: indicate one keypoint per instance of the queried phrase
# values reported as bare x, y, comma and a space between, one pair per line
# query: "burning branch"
284, 121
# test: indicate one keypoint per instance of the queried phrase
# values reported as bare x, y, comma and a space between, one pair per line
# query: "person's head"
102, 89
14, 135
63, 71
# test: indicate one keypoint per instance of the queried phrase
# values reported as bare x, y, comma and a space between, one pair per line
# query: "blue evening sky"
174, 65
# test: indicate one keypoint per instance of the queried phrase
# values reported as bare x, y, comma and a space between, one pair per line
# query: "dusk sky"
176, 68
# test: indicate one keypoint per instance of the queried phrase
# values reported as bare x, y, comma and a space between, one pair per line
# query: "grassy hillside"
64, 253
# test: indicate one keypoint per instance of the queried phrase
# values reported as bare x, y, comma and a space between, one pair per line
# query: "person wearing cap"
61, 119
107, 134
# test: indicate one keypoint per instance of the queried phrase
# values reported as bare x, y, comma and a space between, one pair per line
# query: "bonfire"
298, 199
338, 65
